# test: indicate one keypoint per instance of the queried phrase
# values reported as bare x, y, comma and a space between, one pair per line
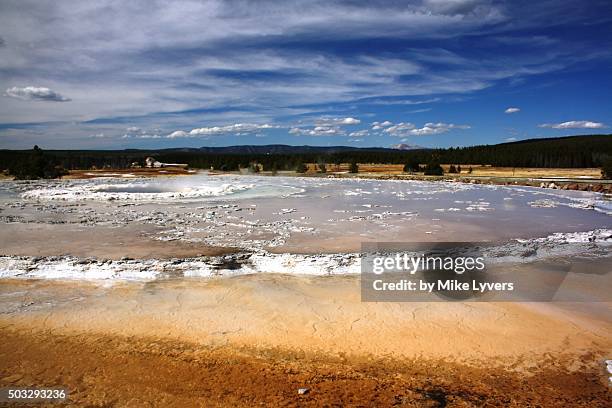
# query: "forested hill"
569, 151
285, 149
572, 151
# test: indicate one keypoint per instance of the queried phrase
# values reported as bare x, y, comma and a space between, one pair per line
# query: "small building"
152, 163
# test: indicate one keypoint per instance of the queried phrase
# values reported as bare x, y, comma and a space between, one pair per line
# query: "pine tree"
37, 165
301, 168
412, 166
434, 169
606, 169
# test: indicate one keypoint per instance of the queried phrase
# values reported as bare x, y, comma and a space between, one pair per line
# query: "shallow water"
301, 214
287, 225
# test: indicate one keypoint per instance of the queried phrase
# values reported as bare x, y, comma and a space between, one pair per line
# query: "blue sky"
156, 74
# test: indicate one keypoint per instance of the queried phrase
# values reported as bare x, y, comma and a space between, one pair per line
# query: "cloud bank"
239, 129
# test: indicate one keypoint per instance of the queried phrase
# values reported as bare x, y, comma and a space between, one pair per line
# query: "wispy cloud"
512, 110
394, 101
247, 62
142, 136
420, 110
337, 121
33, 93
574, 124
359, 133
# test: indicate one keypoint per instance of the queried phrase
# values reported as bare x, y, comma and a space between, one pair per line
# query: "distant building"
152, 163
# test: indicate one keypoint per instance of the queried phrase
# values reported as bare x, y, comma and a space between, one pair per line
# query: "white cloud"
435, 128
135, 132
407, 129
325, 127
574, 124
203, 55
400, 129
177, 133
512, 110
142, 136
318, 131
337, 121
359, 133
510, 139
348, 121
239, 129
236, 128
33, 93
381, 125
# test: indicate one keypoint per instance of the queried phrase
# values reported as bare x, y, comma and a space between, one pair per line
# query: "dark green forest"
568, 152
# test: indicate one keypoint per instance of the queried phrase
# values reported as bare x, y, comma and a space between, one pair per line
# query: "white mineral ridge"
65, 267
71, 268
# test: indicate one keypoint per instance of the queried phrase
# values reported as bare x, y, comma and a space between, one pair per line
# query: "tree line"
568, 152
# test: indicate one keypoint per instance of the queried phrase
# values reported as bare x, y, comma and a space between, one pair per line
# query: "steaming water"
315, 213
197, 187
291, 215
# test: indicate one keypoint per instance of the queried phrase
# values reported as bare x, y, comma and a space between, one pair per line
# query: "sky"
112, 74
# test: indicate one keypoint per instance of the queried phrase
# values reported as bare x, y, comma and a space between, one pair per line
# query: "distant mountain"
570, 151
404, 146
285, 149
